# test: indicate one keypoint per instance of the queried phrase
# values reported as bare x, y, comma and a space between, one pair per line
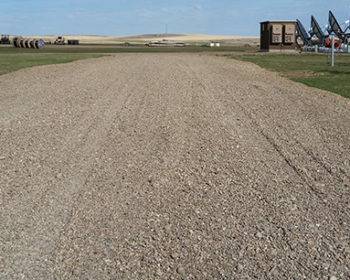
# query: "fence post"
333, 52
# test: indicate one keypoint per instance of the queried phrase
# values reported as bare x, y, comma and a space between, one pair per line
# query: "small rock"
320, 185
181, 271
259, 235
168, 229
59, 176
346, 182
294, 207
159, 272
2, 157
333, 278
174, 256
108, 261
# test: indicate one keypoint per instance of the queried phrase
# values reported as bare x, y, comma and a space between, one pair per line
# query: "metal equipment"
317, 35
303, 38
335, 28
28, 43
73, 42
165, 43
5, 40
60, 40
334, 39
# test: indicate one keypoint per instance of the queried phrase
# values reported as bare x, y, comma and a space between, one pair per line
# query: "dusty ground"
171, 167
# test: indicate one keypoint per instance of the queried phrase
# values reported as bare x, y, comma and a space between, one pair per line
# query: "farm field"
171, 166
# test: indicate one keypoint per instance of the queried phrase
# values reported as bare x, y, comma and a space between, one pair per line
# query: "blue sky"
124, 17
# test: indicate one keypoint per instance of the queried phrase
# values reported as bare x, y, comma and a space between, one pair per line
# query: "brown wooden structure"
278, 35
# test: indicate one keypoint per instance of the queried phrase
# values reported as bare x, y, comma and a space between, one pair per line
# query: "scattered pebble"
181, 270
346, 182
108, 261
174, 256
181, 149
168, 229
294, 208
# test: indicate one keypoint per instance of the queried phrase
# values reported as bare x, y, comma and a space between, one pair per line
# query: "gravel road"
171, 166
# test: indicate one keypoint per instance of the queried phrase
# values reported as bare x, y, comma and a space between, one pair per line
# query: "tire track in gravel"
134, 127
82, 143
187, 177
270, 140
266, 205
263, 203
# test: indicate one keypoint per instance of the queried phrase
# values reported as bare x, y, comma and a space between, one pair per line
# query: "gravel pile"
171, 166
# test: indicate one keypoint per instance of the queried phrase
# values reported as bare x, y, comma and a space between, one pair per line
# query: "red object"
337, 42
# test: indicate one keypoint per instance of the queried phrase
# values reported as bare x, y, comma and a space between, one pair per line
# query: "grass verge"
10, 62
122, 49
12, 59
310, 69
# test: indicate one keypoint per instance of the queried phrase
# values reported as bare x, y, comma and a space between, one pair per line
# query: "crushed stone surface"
171, 166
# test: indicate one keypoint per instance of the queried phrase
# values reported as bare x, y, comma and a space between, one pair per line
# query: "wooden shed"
278, 35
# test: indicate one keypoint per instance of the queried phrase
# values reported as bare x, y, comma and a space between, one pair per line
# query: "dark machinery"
73, 42
318, 40
335, 28
317, 35
303, 38
60, 40
5, 40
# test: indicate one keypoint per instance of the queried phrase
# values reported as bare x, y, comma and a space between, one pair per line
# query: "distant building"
278, 35
214, 44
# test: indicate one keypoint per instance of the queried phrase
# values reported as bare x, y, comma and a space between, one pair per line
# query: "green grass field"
122, 49
12, 59
310, 69
10, 62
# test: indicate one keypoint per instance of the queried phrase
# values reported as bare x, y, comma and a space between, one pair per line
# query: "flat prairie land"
141, 39
171, 166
